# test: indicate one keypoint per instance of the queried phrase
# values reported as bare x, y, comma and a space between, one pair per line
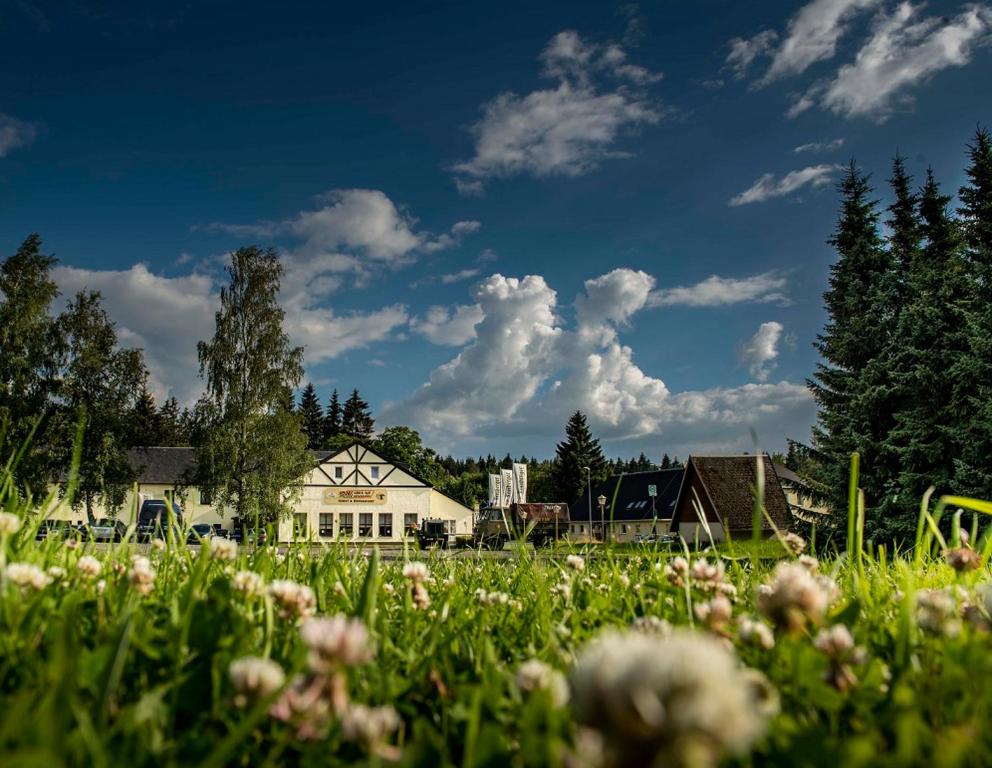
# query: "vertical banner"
495, 494
520, 483
506, 487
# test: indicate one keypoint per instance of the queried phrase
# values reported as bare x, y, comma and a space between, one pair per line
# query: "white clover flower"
388, 588
715, 613
562, 589
652, 625
421, 599
249, 584
834, 641
294, 601
370, 726
837, 644
158, 544
71, 544
677, 571
254, 678
576, 563
336, 642
416, 572
56, 572
936, 612
705, 575
624, 580
141, 575
27, 576
676, 700
222, 549
754, 632
810, 563
89, 567
534, 675
795, 543
794, 597
9, 524
101, 586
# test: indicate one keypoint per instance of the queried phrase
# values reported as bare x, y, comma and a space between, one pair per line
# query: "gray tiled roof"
168, 466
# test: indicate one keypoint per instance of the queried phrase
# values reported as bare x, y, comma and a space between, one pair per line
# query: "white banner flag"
506, 487
520, 483
495, 493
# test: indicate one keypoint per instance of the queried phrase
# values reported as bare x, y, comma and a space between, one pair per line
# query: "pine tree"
930, 345
859, 310
356, 418
29, 350
332, 421
579, 450
312, 417
254, 453
666, 462
974, 373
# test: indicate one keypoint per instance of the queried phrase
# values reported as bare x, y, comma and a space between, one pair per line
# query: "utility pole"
589, 491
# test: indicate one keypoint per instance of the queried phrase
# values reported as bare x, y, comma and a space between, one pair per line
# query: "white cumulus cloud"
565, 130
744, 51
768, 186
761, 350
448, 327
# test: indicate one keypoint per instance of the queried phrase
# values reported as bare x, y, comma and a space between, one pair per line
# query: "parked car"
200, 532
243, 536
153, 520
57, 529
106, 529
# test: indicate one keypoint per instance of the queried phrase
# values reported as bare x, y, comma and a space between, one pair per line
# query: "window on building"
449, 526
385, 524
206, 498
345, 524
301, 525
365, 524
409, 521
623, 528
582, 529
375, 473
338, 473
326, 524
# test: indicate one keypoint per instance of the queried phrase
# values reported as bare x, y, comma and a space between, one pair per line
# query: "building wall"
624, 531
190, 502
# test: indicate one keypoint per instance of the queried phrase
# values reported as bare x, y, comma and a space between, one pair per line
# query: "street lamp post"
589, 491
602, 516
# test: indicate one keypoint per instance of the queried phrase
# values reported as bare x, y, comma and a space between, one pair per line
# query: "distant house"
353, 494
800, 496
717, 498
630, 508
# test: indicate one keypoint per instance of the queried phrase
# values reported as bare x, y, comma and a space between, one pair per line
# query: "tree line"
67, 382
905, 378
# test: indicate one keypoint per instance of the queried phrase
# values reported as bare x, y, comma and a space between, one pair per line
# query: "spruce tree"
931, 342
356, 418
311, 417
254, 454
332, 421
147, 428
29, 349
579, 450
974, 372
171, 418
859, 308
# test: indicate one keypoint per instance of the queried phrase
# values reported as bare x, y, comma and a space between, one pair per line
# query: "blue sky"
490, 214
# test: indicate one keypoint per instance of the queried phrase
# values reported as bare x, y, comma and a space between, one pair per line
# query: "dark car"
153, 520
199, 532
54, 529
242, 535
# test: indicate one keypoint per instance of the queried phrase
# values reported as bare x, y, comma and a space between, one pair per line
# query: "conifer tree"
859, 309
332, 421
974, 372
147, 428
356, 418
930, 344
579, 450
311, 417
171, 418
29, 350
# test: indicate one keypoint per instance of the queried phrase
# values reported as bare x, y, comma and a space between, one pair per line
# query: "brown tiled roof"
729, 481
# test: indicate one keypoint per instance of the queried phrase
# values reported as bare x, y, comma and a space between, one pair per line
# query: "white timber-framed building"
353, 495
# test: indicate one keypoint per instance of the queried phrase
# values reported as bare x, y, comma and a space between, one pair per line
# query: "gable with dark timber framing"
357, 466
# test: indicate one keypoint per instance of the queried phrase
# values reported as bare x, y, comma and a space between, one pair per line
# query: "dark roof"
168, 466
631, 492
729, 481
788, 477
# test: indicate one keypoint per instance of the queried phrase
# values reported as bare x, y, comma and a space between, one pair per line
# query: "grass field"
215, 656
